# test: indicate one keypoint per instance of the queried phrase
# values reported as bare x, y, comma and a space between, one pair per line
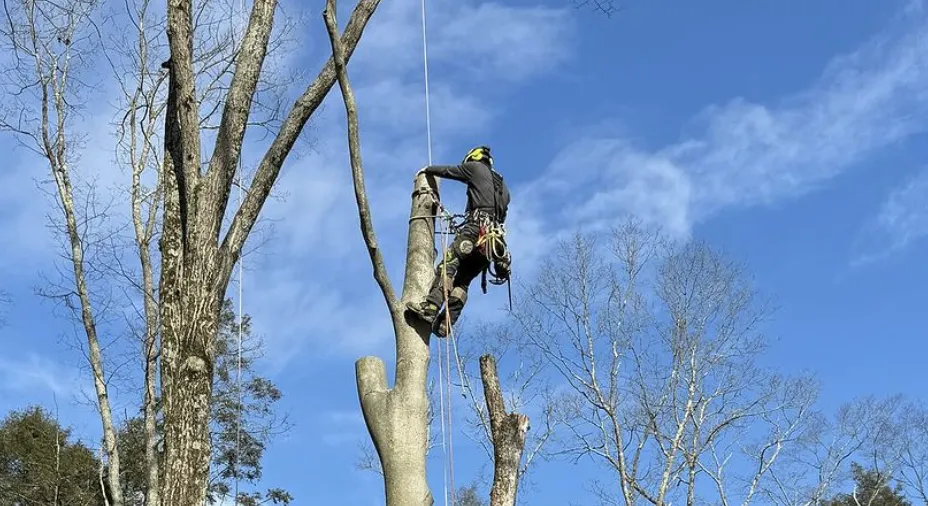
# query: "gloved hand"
419, 173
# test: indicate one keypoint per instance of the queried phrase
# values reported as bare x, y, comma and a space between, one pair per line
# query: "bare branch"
357, 168
269, 168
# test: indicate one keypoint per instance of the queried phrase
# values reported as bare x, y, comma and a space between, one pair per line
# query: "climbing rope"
241, 322
448, 332
447, 465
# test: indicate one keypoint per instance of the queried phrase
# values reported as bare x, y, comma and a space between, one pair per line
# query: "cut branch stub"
508, 431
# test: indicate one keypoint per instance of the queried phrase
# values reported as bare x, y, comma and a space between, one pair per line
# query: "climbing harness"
491, 242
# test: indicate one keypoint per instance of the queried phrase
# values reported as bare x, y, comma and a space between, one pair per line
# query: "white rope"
441, 383
241, 314
444, 451
425, 66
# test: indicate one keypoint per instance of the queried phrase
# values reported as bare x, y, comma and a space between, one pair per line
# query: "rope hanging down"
447, 451
241, 319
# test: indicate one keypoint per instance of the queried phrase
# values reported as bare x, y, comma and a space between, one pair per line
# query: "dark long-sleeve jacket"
486, 189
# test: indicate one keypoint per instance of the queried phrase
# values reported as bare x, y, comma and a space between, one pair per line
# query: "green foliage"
131, 441
468, 496
871, 488
236, 454
40, 465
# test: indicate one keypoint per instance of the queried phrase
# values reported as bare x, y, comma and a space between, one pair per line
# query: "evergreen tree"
41, 466
236, 454
871, 488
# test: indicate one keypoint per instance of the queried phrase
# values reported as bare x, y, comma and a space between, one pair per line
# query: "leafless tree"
49, 45
866, 430
657, 344
525, 387
197, 261
507, 431
913, 469
397, 418
138, 133
135, 57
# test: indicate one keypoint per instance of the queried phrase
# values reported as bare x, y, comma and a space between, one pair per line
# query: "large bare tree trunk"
196, 265
508, 432
397, 418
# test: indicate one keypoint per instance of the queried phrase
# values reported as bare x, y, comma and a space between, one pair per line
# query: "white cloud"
299, 287
34, 372
902, 220
484, 39
747, 154
502, 42
397, 106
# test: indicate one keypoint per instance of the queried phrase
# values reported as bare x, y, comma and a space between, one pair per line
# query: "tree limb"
508, 432
269, 168
357, 168
237, 108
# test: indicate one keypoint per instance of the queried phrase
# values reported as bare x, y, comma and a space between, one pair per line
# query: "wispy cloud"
315, 289
34, 373
902, 220
746, 154
479, 39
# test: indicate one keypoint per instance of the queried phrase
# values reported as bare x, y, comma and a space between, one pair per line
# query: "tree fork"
396, 418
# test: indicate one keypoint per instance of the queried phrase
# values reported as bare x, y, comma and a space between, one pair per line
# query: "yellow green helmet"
479, 154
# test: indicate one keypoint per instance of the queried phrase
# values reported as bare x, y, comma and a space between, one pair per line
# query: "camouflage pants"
462, 263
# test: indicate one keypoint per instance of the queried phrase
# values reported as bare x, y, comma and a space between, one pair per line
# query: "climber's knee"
458, 296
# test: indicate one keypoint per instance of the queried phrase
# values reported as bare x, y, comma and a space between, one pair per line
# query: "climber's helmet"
479, 154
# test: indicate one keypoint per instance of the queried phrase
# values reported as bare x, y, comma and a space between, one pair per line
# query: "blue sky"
790, 134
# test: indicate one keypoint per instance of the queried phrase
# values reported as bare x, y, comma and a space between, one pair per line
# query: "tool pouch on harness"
491, 242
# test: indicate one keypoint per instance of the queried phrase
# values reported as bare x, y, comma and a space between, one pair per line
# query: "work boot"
440, 330
425, 310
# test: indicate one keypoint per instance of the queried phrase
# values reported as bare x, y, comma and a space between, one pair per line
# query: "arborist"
478, 242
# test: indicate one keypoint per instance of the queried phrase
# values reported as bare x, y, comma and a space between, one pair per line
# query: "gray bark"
196, 265
397, 418
138, 134
508, 431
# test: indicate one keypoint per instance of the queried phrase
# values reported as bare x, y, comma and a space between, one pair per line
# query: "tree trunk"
152, 493
188, 330
397, 418
189, 321
66, 193
196, 264
508, 432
